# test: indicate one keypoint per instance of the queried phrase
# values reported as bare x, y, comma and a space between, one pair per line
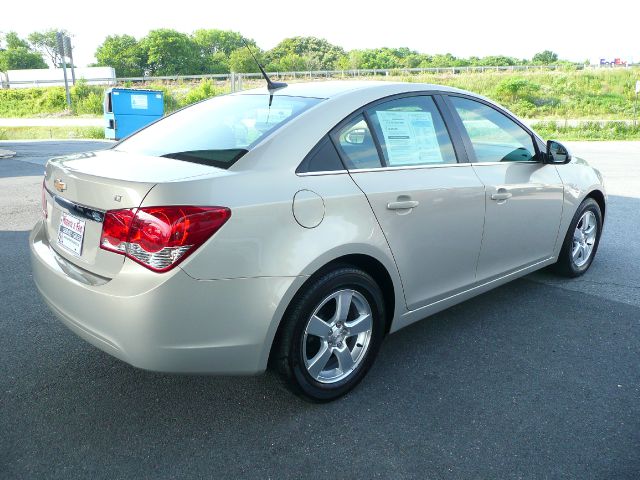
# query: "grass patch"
587, 95
88, 99
599, 94
588, 131
58, 133
605, 94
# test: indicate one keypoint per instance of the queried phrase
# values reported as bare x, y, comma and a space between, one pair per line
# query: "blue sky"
575, 30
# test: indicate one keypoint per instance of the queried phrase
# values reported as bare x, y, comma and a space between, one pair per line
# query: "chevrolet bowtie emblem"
60, 185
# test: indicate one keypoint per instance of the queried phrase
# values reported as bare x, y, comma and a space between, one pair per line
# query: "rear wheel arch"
378, 272
368, 264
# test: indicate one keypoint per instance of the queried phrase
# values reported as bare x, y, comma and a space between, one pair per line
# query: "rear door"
523, 195
430, 207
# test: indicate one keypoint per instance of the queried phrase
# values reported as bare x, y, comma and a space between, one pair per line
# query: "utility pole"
60, 45
69, 53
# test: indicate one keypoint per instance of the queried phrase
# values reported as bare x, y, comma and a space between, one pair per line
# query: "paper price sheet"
410, 138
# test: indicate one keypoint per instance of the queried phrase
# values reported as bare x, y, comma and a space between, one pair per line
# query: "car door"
430, 207
523, 194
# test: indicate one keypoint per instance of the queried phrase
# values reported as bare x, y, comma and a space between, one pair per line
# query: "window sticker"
410, 138
139, 102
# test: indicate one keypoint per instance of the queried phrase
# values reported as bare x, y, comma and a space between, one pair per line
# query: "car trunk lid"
80, 188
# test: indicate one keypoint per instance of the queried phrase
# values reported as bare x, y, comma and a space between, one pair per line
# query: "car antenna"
271, 85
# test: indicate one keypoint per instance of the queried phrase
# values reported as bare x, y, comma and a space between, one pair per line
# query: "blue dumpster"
127, 110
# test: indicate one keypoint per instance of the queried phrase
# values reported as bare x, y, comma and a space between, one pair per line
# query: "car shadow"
15, 168
614, 274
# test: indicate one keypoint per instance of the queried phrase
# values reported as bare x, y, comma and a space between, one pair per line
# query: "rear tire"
581, 241
330, 334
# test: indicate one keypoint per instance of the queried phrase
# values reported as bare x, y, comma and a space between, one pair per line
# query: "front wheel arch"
566, 264
599, 197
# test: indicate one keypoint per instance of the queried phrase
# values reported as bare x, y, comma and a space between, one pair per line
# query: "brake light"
43, 204
160, 237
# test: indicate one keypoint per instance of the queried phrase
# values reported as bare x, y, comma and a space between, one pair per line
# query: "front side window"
494, 136
218, 131
411, 132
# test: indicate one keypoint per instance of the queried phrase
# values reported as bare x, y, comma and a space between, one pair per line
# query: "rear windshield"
218, 131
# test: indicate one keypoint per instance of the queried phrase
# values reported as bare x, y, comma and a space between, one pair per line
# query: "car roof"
334, 88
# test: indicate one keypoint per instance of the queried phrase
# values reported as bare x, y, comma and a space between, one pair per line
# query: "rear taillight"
45, 214
160, 237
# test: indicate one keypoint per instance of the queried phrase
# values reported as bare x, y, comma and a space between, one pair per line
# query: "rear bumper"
166, 322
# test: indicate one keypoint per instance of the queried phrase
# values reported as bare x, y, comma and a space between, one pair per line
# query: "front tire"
581, 241
331, 334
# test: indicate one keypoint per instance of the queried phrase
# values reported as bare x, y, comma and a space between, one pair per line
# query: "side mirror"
355, 136
557, 153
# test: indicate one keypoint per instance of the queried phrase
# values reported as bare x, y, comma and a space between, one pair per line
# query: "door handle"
404, 205
501, 195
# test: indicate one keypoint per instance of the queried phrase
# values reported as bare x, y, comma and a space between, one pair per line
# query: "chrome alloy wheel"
584, 238
337, 336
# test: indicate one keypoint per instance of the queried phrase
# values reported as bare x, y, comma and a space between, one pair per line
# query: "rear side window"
218, 131
357, 145
494, 136
323, 158
411, 132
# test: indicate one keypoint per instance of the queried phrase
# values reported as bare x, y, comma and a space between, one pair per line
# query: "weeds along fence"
236, 79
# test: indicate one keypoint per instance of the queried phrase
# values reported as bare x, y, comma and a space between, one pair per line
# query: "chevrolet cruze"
295, 228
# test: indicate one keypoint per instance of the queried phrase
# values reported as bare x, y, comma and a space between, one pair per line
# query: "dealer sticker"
71, 233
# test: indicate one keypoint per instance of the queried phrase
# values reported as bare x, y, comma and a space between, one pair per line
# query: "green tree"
415, 60
447, 60
213, 41
379, 58
343, 63
169, 52
318, 53
47, 43
122, 52
383, 58
14, 42
291, 62
18, 54
545, 58
241, 61
498, 61
216, 63
216, 47
20, 60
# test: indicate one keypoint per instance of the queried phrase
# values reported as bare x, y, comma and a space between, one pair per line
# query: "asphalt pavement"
537, 379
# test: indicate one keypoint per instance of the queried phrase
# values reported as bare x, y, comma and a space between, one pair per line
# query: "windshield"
218, 131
